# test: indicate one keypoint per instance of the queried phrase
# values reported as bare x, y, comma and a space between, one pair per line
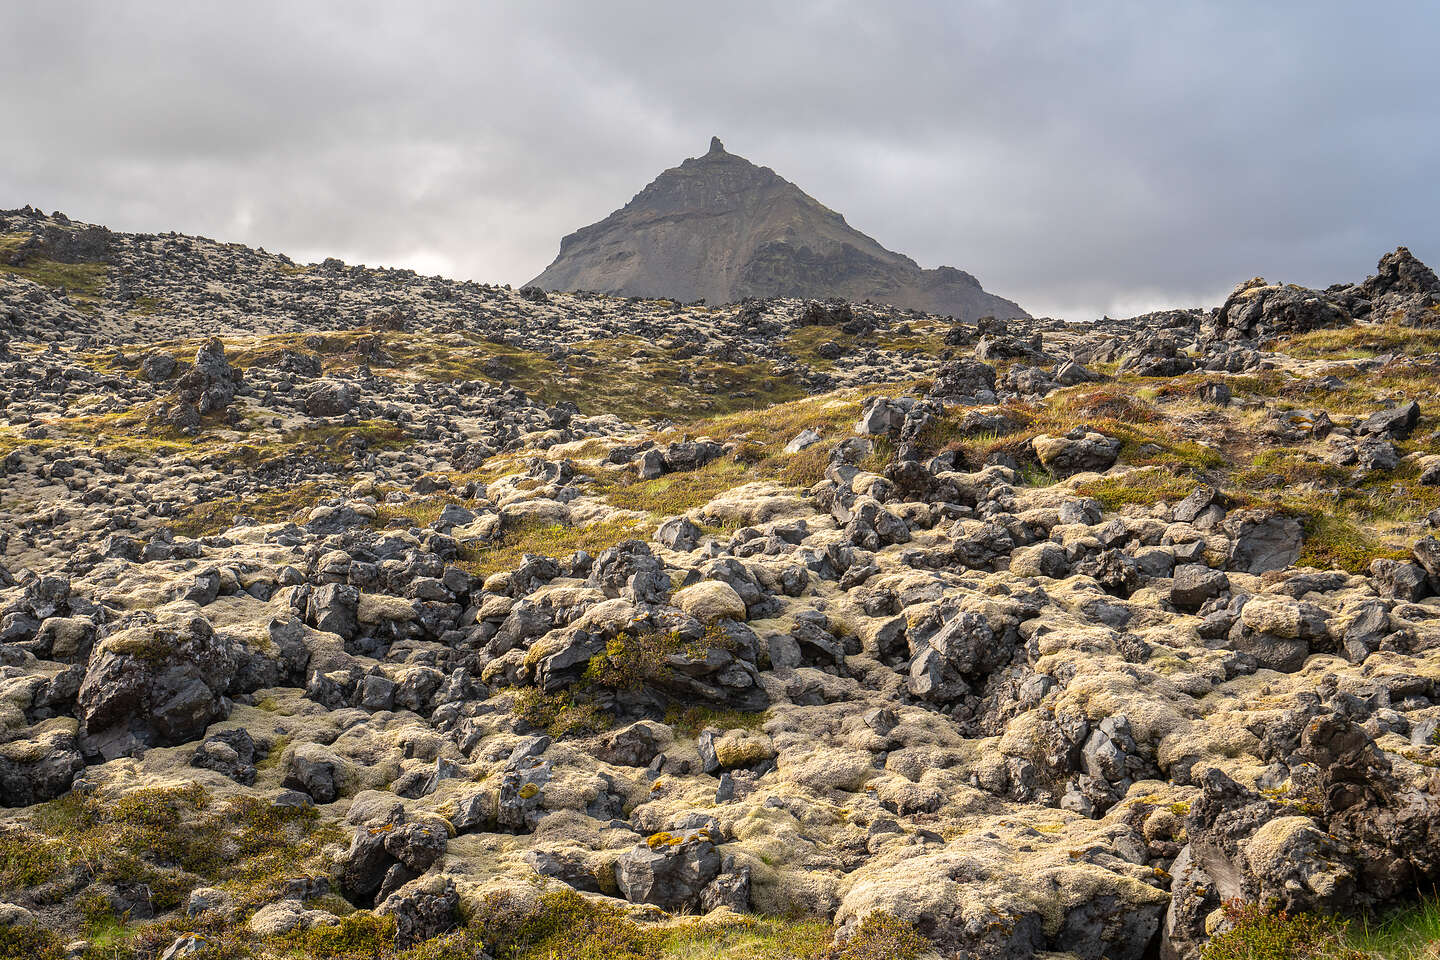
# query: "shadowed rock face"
720, 228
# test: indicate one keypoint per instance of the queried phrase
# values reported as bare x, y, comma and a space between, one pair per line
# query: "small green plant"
360, 936
632, 659
882, 936
560, 714
1265, 933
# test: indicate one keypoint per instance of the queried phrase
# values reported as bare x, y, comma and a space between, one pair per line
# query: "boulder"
668, 870
164, 682
711, 600
1194, 584
1395, 422
1077, 451
331, 398
1262, 541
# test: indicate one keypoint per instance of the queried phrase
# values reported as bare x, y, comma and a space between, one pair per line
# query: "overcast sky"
1079, 157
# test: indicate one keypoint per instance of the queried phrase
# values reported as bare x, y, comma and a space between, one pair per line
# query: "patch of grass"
333, 443
104, 928
569, 926
457, 945
1291, 466
1333, 540
1141, 487
748, 938
146, 306
1146, 439
267, 506
626, 376
689, 721
84, 282
548, 539
360, 936
803, 343
416, 512
173, 837
1410, 932
760, 437
673, 493
1362, 340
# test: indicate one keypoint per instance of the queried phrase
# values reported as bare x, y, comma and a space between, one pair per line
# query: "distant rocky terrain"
720, 229
351, 613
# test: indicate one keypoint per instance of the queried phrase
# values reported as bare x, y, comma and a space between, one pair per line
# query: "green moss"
150, 647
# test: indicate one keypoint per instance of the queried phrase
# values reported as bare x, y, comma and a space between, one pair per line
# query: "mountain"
721, 228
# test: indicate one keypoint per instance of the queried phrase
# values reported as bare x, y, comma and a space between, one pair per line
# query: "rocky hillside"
349, 613
721, 229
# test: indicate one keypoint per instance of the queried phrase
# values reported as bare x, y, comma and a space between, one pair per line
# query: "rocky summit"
352, 613
720, 229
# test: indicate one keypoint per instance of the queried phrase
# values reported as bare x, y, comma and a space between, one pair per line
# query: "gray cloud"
1081, 158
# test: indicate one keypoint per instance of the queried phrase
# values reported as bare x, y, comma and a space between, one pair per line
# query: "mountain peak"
720, 228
